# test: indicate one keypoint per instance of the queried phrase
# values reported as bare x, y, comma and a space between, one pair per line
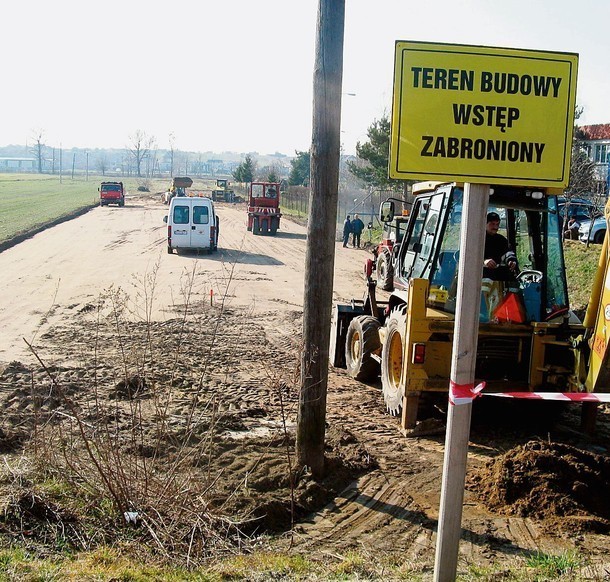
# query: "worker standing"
347, 230
357, 228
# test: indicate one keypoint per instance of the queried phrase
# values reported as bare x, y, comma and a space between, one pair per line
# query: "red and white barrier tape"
463, 393
466, 393
562, 396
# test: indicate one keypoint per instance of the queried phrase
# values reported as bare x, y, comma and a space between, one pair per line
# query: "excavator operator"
500, 262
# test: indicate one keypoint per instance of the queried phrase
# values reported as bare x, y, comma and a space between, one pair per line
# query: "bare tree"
102, 164
139, 148
151, 160
38, 148
172, 139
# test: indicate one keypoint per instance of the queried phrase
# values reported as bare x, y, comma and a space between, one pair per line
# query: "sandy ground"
382, 494
49, 277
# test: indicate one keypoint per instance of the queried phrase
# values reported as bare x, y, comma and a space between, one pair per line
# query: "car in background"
583, 209
592, 230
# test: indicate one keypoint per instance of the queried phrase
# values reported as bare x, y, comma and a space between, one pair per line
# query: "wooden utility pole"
463, 361
321, 229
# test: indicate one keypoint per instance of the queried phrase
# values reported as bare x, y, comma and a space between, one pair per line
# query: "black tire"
255, 228
265, 227
361, 343
275, 223
122, 203
385, 271
599, 237
169, 250
392, 359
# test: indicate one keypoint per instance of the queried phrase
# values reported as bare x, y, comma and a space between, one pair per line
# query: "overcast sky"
236, 75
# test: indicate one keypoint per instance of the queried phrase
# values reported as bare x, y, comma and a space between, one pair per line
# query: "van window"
181, 214
201, 215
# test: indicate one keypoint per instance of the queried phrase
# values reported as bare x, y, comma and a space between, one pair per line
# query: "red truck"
112, 193
264, 208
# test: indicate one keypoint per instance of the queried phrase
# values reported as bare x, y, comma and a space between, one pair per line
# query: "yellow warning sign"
482, 115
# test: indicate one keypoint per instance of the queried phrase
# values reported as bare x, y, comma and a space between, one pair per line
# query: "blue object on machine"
532, 299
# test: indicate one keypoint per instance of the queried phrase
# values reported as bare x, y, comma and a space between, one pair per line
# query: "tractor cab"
534, 291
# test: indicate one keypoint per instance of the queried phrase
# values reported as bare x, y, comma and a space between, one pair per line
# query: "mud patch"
555, 482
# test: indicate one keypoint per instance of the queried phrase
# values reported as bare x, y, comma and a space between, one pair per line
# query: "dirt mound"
272, 497
548, 481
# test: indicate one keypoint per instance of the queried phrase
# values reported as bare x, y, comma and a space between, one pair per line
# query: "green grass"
28, 201
550, 566
581, 264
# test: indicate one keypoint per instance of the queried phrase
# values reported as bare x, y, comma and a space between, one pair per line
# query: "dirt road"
47, 279
223, 373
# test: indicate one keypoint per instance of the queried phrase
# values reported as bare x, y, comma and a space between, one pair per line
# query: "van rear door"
200, 224
181, 225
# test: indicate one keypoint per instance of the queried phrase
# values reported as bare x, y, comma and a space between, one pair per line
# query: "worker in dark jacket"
347, 230
357, 228
500, 262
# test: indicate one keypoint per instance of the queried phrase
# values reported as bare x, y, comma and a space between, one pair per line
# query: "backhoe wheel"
361, 343
392, 359
385, 271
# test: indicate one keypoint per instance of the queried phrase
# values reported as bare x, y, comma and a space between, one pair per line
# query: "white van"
191, 224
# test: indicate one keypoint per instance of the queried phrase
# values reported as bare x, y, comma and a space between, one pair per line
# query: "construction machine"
223, 193
384, 254
177, 188
264, 208
529, 340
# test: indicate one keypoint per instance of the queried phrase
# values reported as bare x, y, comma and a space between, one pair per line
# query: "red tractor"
264, 208
384, 253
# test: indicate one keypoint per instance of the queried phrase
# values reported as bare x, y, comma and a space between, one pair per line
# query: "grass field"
28, 201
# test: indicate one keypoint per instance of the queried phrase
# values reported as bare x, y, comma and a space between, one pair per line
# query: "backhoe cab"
529, 340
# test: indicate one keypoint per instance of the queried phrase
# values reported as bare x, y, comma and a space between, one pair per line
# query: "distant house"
596, 141
25, 165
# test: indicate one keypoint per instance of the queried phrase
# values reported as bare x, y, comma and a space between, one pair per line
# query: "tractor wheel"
392, 359
255, 225
361, 343
265, 227
385, 271
274, 226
